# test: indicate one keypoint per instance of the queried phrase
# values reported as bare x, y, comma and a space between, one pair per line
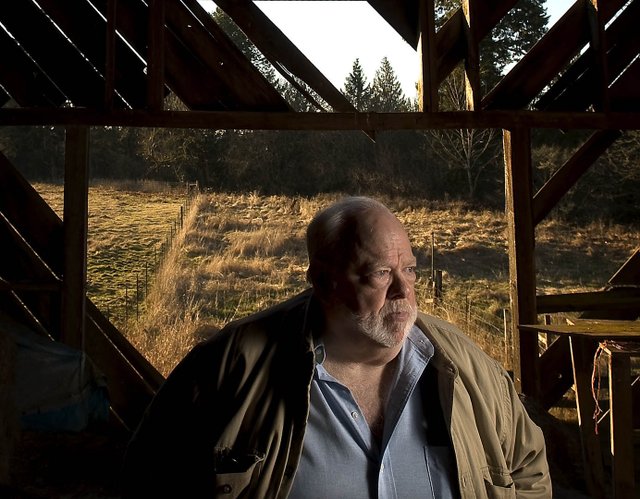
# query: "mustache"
397, 306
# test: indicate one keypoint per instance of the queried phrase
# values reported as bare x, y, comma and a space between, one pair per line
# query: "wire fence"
129, 301
490, 331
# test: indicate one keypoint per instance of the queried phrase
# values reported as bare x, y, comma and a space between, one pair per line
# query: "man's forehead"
384, 249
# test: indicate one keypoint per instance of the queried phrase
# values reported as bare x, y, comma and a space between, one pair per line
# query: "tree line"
464, 165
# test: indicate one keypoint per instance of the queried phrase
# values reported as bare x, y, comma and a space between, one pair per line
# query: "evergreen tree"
356, 88
386, 91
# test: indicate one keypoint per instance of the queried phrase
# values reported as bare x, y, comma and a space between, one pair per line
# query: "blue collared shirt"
342, 459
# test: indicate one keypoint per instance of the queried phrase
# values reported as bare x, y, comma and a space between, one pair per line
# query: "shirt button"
226, 489
382, 468
355, 415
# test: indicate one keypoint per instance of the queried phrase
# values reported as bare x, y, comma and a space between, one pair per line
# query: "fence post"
433, 246
437, 285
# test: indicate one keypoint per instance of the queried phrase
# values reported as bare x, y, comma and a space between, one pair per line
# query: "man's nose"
399, 286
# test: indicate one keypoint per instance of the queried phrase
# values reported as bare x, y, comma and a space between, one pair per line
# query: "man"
344, 391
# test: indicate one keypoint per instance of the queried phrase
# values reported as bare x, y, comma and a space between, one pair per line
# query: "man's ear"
322, 280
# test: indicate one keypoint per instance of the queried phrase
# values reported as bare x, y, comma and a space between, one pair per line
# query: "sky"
332, 34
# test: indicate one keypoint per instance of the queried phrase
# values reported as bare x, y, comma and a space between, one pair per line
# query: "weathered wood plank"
76, 219
156, 55
599, 51
611, 299
621, 423
582, 351
522, 281
110, 55
428, 84
322, 121
591, 328
556, 373
625, 93
401, 16
471, 10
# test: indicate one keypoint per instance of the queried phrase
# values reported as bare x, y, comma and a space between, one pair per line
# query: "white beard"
381, 329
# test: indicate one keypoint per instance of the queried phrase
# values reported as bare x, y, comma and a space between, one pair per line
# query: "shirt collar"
415, 340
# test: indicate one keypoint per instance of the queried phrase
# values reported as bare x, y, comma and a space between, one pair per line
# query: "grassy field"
233, 254
128, 226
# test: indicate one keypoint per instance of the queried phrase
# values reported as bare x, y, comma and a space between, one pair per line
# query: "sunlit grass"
240, 253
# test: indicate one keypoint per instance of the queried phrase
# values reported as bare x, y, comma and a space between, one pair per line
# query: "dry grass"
241, 253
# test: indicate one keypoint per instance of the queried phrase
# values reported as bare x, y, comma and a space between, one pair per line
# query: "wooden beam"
220, 120
546, 58
599, 51
470, 9
522, 280
156, 55
401, 17
280, 51
629, 273
428, 84
610, 299
556, 372
568, 174
574, 90
76, 193
110, 55
624, 91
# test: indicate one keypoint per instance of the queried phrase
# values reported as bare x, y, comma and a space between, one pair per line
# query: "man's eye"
381, 274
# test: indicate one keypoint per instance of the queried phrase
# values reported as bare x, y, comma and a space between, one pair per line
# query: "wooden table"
619, 340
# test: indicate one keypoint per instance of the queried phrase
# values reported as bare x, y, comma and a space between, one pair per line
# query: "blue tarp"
56, 387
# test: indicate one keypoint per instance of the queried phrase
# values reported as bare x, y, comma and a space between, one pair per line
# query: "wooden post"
155, 56
428, 84
76, 208
599, 49
522, 283
582, 350
621, 423
471, 9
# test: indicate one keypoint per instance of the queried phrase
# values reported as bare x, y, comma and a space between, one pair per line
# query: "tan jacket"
230, 419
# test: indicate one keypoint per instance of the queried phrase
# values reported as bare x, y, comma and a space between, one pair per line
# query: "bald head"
334, 231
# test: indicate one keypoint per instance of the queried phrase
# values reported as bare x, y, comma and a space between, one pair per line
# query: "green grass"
127, 228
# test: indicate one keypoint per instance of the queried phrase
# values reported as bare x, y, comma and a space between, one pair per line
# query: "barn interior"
80, 64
